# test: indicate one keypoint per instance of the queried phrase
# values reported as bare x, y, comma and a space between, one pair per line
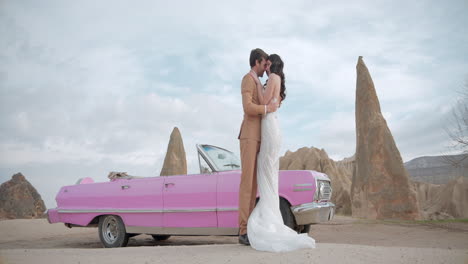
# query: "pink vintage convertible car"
200, 204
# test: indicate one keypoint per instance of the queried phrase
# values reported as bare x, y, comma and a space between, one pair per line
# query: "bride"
266, 229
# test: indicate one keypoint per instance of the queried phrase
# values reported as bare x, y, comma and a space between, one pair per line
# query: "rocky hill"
438, 169
446, 201
19, 199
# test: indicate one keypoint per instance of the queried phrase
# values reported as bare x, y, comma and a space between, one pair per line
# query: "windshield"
223, 160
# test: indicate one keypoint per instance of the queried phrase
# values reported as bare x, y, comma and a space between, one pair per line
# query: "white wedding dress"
265, 227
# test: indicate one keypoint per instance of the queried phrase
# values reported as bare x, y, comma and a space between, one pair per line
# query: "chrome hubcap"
110, 229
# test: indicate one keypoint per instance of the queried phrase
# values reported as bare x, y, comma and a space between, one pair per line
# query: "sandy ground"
344, 240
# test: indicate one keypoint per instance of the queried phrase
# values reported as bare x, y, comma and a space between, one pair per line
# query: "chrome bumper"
313, 213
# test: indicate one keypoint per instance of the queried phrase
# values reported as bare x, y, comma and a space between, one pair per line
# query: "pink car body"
197, 204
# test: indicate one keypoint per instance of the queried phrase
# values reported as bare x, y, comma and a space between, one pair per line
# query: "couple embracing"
261, 225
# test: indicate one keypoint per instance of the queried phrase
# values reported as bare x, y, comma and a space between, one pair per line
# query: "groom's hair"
257, 55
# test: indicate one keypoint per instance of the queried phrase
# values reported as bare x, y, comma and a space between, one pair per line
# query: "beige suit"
249, 137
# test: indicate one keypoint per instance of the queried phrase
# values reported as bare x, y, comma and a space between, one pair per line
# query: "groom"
249, 137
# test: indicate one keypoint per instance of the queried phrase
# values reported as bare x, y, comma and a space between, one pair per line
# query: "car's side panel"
186, 201
228, 199
190, 201
81, 219
137, 201
297, 187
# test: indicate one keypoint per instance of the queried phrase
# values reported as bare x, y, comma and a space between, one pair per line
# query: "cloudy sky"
88, 87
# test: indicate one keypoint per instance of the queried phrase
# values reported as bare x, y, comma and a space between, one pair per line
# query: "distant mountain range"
437, 169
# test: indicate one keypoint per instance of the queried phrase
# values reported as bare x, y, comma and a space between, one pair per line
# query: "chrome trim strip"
303, 189
227, 209
66, 211
189, 210
208, 231
304, 184
74, 211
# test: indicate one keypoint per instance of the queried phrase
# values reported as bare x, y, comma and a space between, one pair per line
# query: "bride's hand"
257, 81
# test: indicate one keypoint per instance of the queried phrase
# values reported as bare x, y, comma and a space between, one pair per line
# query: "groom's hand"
272, 107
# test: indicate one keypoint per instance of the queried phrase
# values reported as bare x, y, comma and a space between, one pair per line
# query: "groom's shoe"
244, 240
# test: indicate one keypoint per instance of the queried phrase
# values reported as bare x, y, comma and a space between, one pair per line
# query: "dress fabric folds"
265, 226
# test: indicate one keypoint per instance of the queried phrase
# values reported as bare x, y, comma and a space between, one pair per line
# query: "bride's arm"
273, 82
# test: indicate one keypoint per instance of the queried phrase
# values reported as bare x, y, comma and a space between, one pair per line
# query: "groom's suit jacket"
250, 128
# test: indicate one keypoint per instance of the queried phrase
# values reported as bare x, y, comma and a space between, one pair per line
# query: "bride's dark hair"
277, 68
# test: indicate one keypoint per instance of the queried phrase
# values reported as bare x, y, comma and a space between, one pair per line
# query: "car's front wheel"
305, 229
288, 217
112, 231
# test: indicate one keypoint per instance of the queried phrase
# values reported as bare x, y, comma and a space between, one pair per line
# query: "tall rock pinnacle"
380, 187
175, 162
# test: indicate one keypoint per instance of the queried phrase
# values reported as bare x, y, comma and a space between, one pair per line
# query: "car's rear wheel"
112, 231
161, 237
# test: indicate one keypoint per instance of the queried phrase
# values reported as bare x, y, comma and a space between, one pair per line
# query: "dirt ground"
344, 239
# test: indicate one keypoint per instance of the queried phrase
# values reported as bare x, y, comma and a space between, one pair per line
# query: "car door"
190, 201
227, 167
143, 200
228, 199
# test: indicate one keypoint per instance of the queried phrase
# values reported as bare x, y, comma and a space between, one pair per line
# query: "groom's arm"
248, 87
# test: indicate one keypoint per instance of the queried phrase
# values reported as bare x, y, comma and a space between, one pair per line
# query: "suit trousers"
249, 149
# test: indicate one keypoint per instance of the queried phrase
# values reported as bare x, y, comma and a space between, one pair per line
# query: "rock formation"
443, 201
436, 202
380, 186
438, 169
19, 199
318, 160
175, 162
347, 165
